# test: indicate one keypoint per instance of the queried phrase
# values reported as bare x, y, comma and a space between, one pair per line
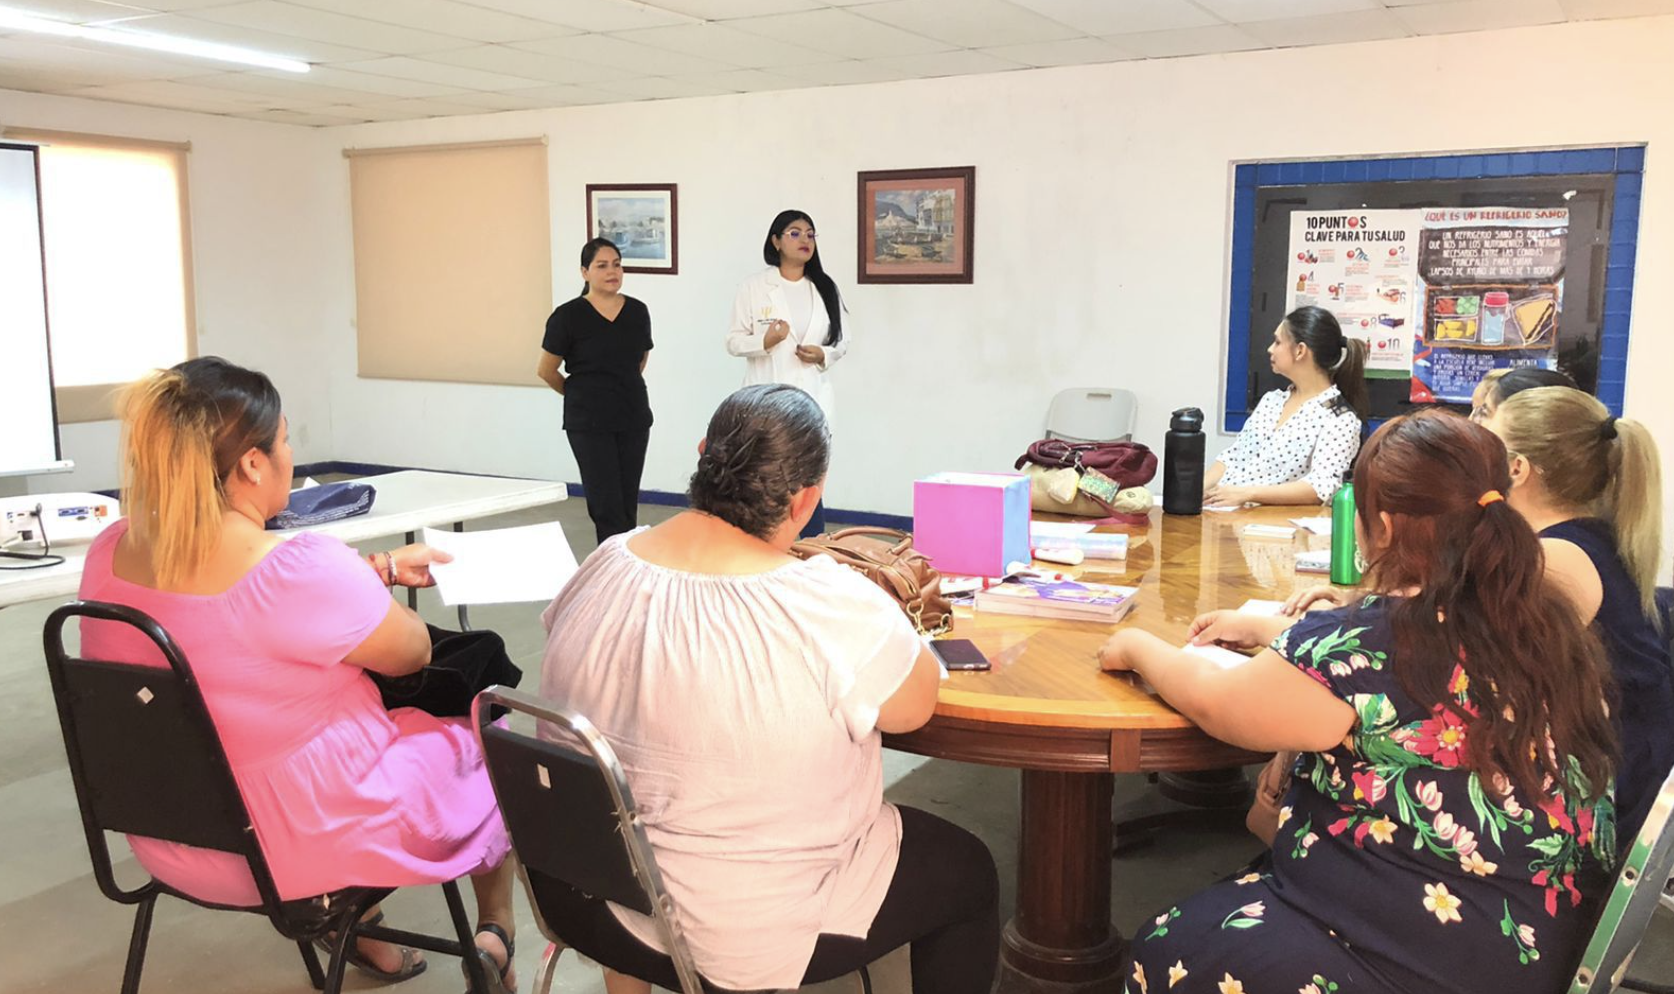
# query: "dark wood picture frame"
667, 264
953, 237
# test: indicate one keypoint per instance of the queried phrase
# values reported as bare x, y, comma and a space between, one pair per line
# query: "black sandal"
495, 973
411, 965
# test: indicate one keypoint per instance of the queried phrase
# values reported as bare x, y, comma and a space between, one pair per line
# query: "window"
118, 263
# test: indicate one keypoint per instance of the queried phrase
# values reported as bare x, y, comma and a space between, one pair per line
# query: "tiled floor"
57, 934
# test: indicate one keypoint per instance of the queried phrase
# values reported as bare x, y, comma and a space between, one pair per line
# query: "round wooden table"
1046, 709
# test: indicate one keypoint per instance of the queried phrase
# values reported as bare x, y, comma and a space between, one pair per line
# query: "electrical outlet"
20, 526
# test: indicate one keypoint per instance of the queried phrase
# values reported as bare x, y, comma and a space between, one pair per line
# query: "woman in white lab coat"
787, 320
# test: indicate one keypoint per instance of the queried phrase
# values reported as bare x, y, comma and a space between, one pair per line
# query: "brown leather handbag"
887, 558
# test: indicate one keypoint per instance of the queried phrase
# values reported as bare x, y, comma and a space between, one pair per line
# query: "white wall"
1103, 199
263, 197
1102, 228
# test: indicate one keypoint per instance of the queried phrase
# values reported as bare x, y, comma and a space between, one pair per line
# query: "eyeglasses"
1479, 415
799, 234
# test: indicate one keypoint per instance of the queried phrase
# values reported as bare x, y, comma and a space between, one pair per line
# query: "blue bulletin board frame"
1626, 161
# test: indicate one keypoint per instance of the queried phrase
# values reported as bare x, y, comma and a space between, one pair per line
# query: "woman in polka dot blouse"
1299, 441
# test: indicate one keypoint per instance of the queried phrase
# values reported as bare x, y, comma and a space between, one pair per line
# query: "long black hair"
589, 252
816, 272
1338, 356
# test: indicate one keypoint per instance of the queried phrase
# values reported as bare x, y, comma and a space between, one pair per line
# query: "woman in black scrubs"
594, 354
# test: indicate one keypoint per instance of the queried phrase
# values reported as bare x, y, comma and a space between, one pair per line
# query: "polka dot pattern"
1316, 444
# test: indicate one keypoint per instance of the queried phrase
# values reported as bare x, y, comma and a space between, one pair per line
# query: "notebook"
1069, 600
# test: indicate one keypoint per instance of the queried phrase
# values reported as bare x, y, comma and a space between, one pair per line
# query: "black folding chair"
146, 760
1629, 905
580, 844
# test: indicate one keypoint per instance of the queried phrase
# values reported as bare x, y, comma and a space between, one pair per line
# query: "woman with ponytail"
1299, 441
1591, 486
787, 320
594, 356
1450, 814
744, 690
281, 635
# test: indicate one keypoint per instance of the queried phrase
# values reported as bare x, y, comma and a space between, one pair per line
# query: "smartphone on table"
959, 654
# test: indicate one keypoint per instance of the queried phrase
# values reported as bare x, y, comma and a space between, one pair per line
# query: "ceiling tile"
1417, 3
530, 65
321, 25
663, 88
970, 23
722, 10
1074, 52
1111, 17
1590, 9
305, 50
33, 79
76, 11
405, 109
746, 81
306, 118
1243, 11
165, 93
90, 57
375, 86
845, 73
558, 96
402, 67
608, 50
363, 112
1479, 15
724, 44
178, 5
960, 63
588, 15
1330, 29
288, 86
1189, 41
841, 33
448, 17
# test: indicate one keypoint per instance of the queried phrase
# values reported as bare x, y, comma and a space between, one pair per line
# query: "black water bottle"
1183, 463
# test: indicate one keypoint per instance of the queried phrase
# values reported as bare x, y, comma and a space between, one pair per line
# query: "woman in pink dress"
280, 635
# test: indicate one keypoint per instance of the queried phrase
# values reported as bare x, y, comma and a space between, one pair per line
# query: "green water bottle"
1344, 570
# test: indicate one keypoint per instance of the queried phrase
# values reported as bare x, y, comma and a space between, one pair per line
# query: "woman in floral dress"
1430, 841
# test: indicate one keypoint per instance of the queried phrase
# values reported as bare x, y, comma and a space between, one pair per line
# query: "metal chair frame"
1648, 863
631, 830
334, 917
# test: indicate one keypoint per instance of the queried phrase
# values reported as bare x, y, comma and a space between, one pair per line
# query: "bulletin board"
1446, 266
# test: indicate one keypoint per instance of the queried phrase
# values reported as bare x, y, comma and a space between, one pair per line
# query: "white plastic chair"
1092, 414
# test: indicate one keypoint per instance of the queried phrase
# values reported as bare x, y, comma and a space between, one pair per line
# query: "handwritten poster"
1491, 286
1362, 266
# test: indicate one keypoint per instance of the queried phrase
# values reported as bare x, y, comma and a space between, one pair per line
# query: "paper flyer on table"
503, 566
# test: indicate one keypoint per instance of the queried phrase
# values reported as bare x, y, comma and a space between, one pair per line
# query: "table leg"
1062, 934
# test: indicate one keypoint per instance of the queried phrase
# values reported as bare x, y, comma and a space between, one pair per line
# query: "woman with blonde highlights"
281, 635
1591, 485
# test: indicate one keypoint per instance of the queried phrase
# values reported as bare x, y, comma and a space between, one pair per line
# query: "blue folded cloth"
326, 502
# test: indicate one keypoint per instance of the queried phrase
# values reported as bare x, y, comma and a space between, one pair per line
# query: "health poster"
1491, 281
1362, 266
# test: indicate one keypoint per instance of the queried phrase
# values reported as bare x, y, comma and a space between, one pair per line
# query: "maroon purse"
1130, 464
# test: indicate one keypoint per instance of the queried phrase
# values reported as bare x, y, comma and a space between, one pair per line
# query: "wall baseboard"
663, 498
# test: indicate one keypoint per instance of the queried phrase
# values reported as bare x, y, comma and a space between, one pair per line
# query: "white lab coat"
761, 301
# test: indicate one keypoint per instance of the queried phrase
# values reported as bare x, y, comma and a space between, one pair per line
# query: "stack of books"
1069, 600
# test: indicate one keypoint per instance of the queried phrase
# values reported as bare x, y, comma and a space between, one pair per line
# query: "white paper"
1269, 608
1221, 656
1268, 531
507, 565
1319, 526
1222, 510
1056, 529
307, 481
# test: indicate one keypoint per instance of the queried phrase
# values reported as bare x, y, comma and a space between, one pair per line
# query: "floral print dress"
1393, 868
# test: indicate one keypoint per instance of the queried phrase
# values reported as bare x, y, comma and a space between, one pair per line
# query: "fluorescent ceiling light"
18, 21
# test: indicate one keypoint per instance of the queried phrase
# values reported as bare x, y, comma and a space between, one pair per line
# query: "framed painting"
642, 219
917, 225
